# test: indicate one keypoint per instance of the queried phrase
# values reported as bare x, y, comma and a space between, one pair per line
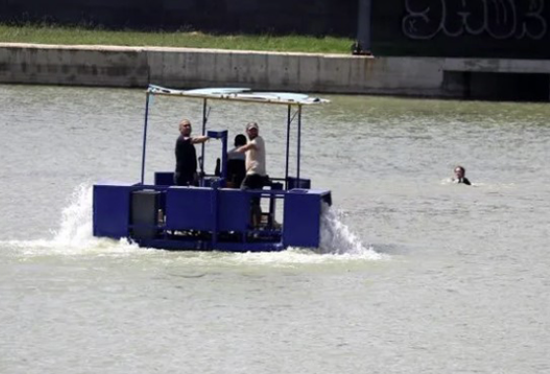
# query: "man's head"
185, 127
252, 130
240, 140
460, 171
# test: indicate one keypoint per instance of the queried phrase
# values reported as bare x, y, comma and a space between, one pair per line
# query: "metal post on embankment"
364, 26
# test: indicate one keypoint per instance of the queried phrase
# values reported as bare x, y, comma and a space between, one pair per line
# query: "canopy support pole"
204, 120
144, 138
299, 143
288, 121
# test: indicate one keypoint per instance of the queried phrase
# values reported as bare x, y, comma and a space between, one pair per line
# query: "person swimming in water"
459, 176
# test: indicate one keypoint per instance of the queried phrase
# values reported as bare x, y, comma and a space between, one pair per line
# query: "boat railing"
166, 178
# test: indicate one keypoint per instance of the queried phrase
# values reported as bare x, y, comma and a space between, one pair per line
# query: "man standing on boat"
186, 155
255, 167
236, 163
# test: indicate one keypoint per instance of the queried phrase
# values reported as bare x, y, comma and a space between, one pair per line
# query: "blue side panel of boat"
111, 210
234, 210
164, 178
302, 217
189, 208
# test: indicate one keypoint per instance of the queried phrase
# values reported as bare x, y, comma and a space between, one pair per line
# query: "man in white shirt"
255, 167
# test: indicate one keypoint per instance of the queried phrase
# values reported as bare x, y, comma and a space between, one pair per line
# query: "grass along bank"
80, 35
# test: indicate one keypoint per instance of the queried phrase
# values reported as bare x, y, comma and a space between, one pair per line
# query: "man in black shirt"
186, 156
236, 166
459, 176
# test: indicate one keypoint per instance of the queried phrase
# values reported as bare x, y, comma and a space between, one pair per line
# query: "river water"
424, 276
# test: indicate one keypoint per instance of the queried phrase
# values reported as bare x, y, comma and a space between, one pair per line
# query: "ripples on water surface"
425, 277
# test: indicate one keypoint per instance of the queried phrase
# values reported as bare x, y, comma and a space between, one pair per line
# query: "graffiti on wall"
500, 19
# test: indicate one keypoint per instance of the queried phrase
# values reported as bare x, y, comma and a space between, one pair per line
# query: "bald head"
185, 127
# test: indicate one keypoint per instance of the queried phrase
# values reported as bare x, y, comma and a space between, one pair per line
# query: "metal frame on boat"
213, 217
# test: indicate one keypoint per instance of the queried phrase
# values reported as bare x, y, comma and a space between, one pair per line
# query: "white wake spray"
76, 219
75, 233
338, 245
337, 238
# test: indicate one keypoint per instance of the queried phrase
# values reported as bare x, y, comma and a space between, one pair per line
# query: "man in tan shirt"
255, 167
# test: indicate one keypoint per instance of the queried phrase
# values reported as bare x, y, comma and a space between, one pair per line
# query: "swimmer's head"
460, 171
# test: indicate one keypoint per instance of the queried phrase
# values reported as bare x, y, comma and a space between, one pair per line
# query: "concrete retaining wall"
188, 68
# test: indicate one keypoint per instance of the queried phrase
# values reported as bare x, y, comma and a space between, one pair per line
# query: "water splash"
75, 233
338, 246
76, 219
337, 238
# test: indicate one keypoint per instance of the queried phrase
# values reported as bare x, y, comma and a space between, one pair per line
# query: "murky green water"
455, 280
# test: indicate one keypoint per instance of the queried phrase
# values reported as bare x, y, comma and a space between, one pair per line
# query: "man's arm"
199, 139
244, 148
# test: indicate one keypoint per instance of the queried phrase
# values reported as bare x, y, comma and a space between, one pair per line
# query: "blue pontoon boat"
212, 216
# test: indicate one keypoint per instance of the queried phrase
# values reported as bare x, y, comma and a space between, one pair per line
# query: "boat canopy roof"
239, 94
